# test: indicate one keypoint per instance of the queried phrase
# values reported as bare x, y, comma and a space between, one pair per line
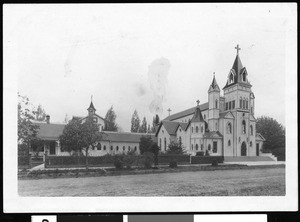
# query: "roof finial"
198, 101
237, 49
169, 110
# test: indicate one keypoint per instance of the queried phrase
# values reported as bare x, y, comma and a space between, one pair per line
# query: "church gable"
259, 137
226, 115
252, 118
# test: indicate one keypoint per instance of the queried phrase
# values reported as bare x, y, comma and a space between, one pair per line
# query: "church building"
225, 125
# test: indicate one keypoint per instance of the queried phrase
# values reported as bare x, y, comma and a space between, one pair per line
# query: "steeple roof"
197, 116
91, 107
214, 85
237, 65
237, 72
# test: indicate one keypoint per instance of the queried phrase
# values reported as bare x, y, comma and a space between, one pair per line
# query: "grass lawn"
244, 182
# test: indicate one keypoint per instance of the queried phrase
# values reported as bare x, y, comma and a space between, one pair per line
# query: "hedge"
24, 161
54, 161
206, 159
108, 160
167, 158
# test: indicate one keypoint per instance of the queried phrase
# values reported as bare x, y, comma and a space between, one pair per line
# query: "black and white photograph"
150, 107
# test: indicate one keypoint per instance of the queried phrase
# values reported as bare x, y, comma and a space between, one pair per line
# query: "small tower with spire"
91, 109
213, 105
197, 129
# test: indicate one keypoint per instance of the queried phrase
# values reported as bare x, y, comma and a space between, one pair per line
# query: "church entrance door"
243, 149
257, 149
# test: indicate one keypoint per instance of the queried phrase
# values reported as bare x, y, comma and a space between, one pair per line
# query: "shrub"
173, 164
148, 159
118, 162
214, 162
206, 153
200, 153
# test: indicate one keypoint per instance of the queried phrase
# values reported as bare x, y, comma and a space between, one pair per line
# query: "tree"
143, 126
135, 122
40, 114
149, 129
145, 144
27, 130
155, 122
175, 148
80, 137
274, 133
110, 120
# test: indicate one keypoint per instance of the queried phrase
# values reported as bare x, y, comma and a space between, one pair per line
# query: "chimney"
48, 119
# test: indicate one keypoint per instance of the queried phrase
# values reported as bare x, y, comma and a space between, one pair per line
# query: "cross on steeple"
237, 49
198, 101
169, 110
91, 98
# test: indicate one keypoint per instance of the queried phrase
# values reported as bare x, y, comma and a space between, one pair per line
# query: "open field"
244, 182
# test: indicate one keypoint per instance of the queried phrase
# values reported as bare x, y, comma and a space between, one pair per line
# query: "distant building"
225, 125
111, 143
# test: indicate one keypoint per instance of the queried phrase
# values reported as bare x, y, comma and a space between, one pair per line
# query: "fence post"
29, 160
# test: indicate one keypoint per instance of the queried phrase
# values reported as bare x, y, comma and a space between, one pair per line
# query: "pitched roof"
186, 112
213, 134
197, 116
125, 136
50, 131
258, 136
170, 126
182, 125
214, 85
91, 106
237, 65
223, 115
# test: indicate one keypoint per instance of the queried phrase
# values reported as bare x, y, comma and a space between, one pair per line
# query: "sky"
148, 57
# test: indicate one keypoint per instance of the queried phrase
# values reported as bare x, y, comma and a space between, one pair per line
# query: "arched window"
216, 104
197, 129
123, 147
241, 103
197, 146
229, 128
128, 148
111, 147
231, 78
117, 148
244, 76
250, 143
192, 146
135, 148
180, 140
104, 147
246, 103
209, 147
201, 146
229, 143
160, 143
165, 143
251, 130
99, 146
201, 129
244, 126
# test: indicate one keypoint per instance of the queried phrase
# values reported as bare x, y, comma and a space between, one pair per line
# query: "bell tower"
239, 100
